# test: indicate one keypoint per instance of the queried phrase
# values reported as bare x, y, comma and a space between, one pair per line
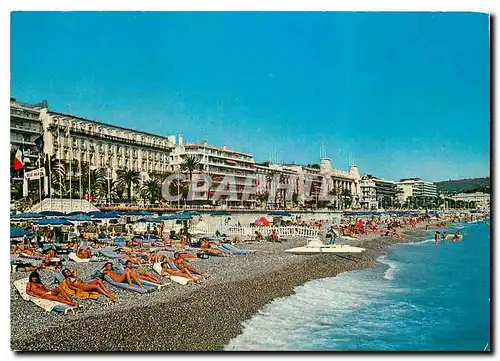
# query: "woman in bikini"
97, 285
144, 275
127, 276
166, 270
36, 289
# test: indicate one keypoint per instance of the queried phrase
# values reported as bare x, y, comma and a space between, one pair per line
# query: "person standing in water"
443, 237
436, 237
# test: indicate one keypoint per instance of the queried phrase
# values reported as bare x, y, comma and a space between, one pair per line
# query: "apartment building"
378, 193
416, 188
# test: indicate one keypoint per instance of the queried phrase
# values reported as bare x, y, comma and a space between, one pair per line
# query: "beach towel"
25, 255
47, 305
83, 295
174, 267
72, 256
181, 280
235, 250
125, 286
109, 253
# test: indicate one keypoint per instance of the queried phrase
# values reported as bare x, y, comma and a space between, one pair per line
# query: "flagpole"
60, 156
80, 170
50, 181
70, 161
40, 180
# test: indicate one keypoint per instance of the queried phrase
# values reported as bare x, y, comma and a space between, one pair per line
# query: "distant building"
479, 199
218, 163
25, 127
377, 193
416, 191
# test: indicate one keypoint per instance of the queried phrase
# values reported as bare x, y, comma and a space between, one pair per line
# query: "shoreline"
203, 317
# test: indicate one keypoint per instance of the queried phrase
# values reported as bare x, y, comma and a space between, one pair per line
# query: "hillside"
464, 185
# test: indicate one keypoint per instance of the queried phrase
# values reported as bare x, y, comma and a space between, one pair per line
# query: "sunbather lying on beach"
127, 276
182, 266
35, 288
166, 270
142, 275
206, 246
84, 253
75, 283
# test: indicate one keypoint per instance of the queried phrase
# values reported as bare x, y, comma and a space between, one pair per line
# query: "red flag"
18, 160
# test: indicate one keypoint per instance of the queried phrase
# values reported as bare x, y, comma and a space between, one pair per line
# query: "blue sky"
407, 94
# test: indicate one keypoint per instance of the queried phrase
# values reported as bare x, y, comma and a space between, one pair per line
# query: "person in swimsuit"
183, 267
97, 285
166, 270
120, 278
144, 275
36, 289
436, 237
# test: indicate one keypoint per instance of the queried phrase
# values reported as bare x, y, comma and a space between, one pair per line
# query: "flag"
18, 160
39, 144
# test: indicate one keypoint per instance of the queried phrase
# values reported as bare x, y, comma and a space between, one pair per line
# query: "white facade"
417, 188
105, 146
220, 163
481, 200
25, 127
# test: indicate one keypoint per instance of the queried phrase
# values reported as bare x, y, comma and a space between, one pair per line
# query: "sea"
419, 297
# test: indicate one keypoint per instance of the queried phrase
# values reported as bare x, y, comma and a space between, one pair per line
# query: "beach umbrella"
222, 213
56, 222
192, 213
262, 221
27, 216
80, 218
53, 214
19, 233
279, 214
75, 213
150, 220
103, 215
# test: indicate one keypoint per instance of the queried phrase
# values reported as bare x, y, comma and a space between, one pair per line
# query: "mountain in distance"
470, 185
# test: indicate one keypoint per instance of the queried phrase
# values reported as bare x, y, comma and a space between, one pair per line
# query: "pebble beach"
193, 317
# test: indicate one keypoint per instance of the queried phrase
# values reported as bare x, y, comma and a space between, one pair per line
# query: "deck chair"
47, 305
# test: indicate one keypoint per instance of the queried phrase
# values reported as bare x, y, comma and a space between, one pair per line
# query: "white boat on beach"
315, 246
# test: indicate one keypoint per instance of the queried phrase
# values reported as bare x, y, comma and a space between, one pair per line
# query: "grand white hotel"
101, 145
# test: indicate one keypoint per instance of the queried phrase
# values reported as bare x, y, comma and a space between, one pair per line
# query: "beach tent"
262, 221
26, 216
56, 222
19, 233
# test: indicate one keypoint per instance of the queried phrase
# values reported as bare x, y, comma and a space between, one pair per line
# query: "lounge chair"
109, 253
47, 305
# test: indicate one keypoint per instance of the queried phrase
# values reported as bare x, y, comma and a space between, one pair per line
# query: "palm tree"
151, 190
190, 164
127, 178
97, 179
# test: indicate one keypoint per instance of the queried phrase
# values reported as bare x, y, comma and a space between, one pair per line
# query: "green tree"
190, 164
151, 190
127, 178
